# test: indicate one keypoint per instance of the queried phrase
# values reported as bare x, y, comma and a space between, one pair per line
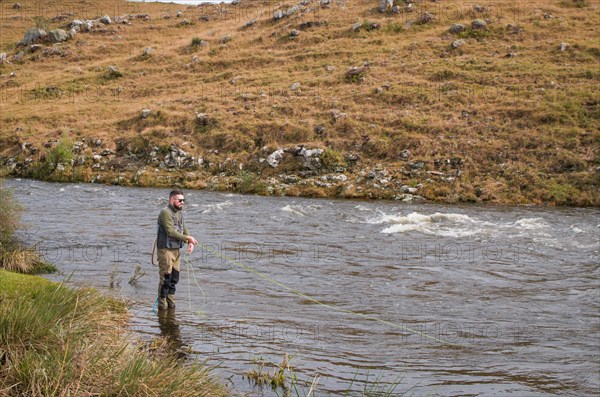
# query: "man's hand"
191, 240
190, 248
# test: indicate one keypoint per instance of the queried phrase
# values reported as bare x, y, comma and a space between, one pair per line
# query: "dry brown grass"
475, 102
23, 260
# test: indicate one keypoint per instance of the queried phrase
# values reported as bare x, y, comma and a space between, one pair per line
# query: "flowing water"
438, 300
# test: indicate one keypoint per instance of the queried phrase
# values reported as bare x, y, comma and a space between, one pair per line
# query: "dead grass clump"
25, 260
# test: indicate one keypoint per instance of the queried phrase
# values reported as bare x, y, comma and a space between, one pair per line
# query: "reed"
281, 375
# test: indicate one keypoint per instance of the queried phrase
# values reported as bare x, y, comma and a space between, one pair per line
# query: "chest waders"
170, 275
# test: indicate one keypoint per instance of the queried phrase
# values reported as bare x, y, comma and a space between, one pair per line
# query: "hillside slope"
451, 101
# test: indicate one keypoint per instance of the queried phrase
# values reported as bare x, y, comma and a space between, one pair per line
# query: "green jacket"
172, 232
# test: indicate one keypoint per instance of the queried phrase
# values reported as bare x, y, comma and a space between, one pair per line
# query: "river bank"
56, 340
292, 172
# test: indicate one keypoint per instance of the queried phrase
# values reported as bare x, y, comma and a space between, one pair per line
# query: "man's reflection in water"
169, 329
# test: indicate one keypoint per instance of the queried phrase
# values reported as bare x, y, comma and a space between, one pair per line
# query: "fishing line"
193, 273
318, 302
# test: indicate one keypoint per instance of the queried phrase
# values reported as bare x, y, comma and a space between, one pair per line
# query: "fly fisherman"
172, 234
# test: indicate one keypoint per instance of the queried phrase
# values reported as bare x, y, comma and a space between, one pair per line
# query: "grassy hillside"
402, 107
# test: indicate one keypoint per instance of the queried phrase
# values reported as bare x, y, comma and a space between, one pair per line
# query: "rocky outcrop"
202, 119
280, 14
386, 5
312, 160
178, 158
356, 74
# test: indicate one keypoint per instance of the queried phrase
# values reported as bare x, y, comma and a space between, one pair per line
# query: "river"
437, 300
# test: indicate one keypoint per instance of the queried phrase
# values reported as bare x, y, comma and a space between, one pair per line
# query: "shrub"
249, 182
62, 153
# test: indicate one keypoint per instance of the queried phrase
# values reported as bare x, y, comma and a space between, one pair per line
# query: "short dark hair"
175, 192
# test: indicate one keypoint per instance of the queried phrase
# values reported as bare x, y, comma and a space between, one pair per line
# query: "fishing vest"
162, 239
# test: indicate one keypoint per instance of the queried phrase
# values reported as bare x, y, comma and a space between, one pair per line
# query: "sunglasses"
180, 200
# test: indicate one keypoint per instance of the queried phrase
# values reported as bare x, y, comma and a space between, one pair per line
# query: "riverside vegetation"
447, 101
59, 341
14, 256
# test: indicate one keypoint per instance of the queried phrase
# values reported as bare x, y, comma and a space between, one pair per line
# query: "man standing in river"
172, 234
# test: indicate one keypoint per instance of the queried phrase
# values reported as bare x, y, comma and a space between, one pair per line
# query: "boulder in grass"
57, 35
457, 44
105, 19
202, 119
426, 18
479, 24
33, 36
457, 28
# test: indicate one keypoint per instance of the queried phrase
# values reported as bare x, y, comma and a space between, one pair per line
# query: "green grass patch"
477, 34
20, 285
561, 193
